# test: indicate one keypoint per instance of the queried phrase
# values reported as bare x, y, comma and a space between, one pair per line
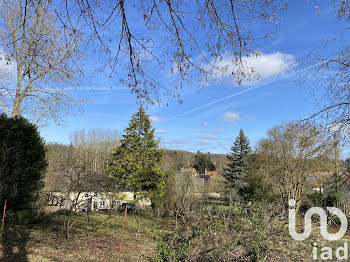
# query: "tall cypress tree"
136, 163
237, 169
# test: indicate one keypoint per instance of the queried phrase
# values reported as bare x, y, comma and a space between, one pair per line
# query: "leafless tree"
289, 155
41, 58
73, 177
329, 78
70, 173
94, 146
183, 40
90, 149
328, 74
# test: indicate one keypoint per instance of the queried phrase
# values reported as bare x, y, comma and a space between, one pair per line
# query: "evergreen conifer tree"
237, 169
203, 162
136, 163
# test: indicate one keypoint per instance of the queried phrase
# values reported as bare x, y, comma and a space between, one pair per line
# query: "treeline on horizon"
92, 148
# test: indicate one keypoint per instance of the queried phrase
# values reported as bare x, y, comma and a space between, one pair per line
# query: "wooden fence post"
3, 216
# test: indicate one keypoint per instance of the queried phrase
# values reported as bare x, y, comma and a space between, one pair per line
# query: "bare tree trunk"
17, 102
44, 56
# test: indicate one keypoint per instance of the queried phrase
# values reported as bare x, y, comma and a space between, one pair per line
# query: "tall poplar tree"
237, 169
136, 163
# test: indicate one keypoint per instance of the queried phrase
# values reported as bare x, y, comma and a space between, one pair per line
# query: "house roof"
211, 173
97, 182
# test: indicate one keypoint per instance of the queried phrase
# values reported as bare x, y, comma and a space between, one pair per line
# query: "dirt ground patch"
46, 242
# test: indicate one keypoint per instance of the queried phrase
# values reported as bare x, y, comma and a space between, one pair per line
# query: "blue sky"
210, 118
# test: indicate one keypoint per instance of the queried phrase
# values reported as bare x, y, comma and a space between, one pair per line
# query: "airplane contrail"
244, 91
219, 100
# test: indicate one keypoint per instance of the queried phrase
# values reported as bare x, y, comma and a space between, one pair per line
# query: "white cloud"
213, 130
155, 119
257, 67
161, 131
209, 137
205, 124
203, 143
232, 117
167, 141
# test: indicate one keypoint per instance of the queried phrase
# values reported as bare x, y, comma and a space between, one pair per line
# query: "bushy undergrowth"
211, 234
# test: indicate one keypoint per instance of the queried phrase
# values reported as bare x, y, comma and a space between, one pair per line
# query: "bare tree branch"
44, 56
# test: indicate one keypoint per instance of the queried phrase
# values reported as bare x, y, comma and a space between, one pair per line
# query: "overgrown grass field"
45, 241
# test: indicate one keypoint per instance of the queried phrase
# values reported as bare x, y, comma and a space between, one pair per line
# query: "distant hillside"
219, 161
176, 159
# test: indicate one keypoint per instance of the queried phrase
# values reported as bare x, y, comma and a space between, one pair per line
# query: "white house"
95, 201
96, 192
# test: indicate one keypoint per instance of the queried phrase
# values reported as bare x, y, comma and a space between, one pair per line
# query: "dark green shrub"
22, 162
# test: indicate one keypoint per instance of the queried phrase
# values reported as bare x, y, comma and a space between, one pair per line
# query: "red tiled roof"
211, 173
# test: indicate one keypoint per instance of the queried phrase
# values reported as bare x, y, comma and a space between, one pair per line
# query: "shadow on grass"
14, 241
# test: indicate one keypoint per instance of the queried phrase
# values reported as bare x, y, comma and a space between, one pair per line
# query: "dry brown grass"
45, 242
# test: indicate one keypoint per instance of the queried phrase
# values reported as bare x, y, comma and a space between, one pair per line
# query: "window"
86, 195
95, 194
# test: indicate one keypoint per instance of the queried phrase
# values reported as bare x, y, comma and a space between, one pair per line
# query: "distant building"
211, 173
207, 175
95, 193
318, 181
93, 201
